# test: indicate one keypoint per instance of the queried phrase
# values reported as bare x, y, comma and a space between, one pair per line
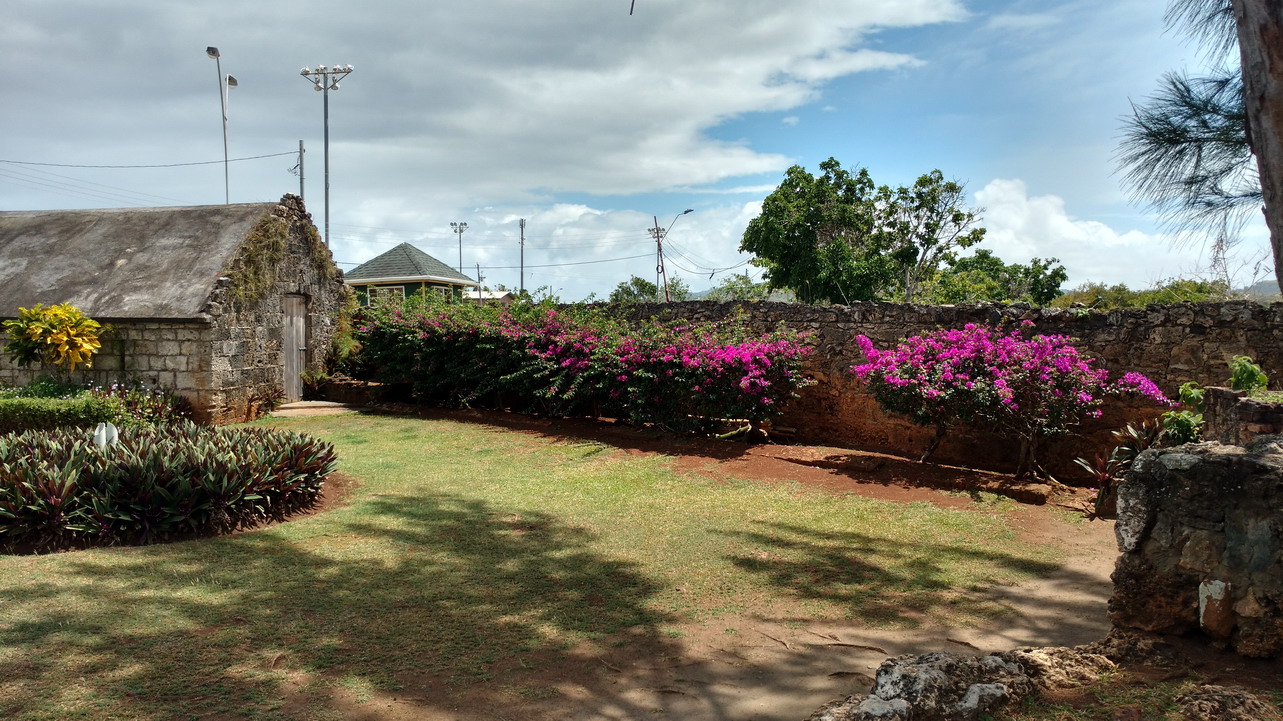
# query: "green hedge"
23, 414
57, 490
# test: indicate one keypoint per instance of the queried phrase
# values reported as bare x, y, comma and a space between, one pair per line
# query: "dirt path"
748, 668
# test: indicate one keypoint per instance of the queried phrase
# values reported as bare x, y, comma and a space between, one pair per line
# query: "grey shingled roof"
405, 262
157, 263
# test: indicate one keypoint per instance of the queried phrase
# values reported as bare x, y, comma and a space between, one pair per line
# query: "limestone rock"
933, 687
1060, 668
1223, 703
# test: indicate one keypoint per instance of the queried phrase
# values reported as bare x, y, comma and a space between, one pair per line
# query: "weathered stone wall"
246, 354
1200, 528
160, 354
1231, 417
228, 361
1170, 344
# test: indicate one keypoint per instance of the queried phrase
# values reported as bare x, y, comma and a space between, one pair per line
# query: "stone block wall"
161, 354
1200, 528
1231, 417
1170, 344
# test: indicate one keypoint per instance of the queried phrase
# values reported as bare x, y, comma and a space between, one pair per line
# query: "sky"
593, 124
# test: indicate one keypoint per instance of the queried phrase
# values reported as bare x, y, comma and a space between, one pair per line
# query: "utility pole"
658, 234
300, 169
521, 283
479, 279
660, 272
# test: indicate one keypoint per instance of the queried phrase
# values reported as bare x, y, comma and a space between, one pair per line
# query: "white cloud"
494, 100
1021, 22
790, 121
1021, 227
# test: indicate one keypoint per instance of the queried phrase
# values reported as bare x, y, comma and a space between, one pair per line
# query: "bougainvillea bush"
577, 361
1023, 385
58, 489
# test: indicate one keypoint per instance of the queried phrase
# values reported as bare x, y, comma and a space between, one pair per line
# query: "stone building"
228, 305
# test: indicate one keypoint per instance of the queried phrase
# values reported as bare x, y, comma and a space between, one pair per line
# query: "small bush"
59, 335
1246, 375
48, 403
57, 490
32, 414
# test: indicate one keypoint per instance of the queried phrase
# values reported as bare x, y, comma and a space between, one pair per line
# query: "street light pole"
224, 83
458, 229
324, 80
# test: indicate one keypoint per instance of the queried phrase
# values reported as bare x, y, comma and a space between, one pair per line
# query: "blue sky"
589, 123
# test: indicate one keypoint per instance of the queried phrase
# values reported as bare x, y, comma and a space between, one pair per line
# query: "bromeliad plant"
576, 361
1027, 387
58, 490
59, 335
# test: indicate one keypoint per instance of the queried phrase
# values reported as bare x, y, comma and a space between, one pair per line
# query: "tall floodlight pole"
458, 229
224, 83
521, 284
324, 80
659, 234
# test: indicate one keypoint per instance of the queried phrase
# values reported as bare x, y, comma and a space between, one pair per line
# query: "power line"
164, 165
24, 173
547, 265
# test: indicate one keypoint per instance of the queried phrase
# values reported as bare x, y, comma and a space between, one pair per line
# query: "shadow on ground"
259, 626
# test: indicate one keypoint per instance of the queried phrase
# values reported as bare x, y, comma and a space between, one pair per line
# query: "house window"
446, 291
377, 293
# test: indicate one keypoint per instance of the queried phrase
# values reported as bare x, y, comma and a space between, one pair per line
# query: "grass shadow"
450, 589
875, 579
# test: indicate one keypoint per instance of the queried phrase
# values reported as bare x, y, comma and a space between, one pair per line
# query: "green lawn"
469, 546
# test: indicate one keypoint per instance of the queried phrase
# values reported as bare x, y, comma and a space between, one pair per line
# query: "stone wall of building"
1200, 528
246, 354
228, 361
1170, 344
167, 354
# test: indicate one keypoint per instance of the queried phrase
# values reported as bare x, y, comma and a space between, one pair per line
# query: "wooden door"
294, 345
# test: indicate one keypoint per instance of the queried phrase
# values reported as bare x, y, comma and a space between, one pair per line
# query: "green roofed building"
402, 272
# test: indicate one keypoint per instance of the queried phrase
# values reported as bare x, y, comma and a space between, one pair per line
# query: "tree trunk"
1260, 43
941, 429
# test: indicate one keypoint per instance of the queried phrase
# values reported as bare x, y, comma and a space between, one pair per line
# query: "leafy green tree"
838, 238
1099, 296
635, 290
677, 290
924, 225
817, 236
739, 287
984, 277
640, 290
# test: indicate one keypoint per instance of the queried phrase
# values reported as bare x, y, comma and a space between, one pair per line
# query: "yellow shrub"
59, 335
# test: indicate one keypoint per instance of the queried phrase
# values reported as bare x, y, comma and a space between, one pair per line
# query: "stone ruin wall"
1170, 344
1231, 417
1200, 528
